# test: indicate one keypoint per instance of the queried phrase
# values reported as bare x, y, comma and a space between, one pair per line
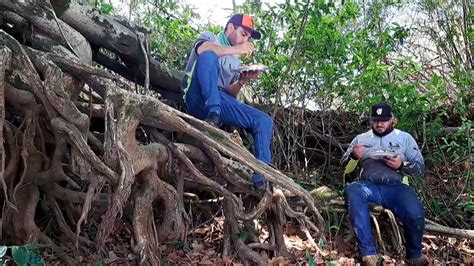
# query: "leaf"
34, 258
310, 260
321, 243
106, 8
26, 255
3, 251
20, 255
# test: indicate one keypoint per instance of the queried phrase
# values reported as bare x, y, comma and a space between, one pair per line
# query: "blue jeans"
203, 97
400, 199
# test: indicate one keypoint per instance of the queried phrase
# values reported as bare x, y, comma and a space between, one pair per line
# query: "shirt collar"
223, 39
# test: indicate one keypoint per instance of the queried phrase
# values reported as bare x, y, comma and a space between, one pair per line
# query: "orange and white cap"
246, 22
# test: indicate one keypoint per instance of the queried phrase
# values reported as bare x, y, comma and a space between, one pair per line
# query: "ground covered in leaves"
204, 243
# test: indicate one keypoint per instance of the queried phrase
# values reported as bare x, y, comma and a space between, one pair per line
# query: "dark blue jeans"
400, 199
203, 97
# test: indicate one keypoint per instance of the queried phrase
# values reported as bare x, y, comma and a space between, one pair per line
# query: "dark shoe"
422, 260
213, 119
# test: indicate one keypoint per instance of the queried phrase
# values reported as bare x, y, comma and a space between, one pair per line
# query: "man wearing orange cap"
213, 81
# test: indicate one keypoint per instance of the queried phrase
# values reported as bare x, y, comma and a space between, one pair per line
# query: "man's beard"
386, 132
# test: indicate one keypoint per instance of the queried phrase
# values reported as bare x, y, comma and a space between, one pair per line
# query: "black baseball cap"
246, 22
381, 112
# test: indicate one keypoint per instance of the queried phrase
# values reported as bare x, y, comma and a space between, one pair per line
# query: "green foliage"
23, 255
321, 243
105, 7
172, 27
468, 206
310, 258
173, 33
178, 245
245, 232
3, 251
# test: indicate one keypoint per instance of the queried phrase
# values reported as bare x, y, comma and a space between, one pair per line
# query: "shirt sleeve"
347, 155
414, 164
204, 37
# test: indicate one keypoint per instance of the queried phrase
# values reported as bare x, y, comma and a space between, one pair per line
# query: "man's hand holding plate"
393, 161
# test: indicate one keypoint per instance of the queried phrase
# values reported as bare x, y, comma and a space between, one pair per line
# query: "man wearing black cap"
383, 156
212, 82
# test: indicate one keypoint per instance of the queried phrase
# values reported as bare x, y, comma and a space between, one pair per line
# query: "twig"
377, 230
143, 37
50, 8
395, 230
435, 227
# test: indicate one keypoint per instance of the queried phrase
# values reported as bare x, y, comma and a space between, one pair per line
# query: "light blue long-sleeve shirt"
397, 141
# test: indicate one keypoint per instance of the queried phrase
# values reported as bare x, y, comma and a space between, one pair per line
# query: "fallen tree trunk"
121, 38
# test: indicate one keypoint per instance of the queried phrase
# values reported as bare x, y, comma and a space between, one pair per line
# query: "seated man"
380, 182
213, 83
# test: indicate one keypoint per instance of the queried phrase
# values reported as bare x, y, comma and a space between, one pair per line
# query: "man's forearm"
218, 49
413, 168
235, 88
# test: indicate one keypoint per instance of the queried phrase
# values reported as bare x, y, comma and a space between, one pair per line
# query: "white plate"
379, 154
252, 68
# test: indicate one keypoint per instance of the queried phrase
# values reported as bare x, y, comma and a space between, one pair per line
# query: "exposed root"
63, 225
124, 189
5, 56
92, 193
145, 237
397, 237
377, 231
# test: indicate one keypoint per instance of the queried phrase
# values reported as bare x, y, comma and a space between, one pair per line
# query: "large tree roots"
126, 166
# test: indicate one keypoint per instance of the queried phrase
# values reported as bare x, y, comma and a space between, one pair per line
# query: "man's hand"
358, 150
248, 75
235, 87
393, 162
245, 48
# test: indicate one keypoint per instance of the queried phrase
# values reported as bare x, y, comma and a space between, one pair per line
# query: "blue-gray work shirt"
228, 63
400, 142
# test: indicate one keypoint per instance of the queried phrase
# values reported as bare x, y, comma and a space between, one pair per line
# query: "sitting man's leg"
358, 195
403, 201
202, 98
242, 115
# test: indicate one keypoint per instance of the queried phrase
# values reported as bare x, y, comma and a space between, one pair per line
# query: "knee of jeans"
207, 56
415, 218
264, 122
354, 190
